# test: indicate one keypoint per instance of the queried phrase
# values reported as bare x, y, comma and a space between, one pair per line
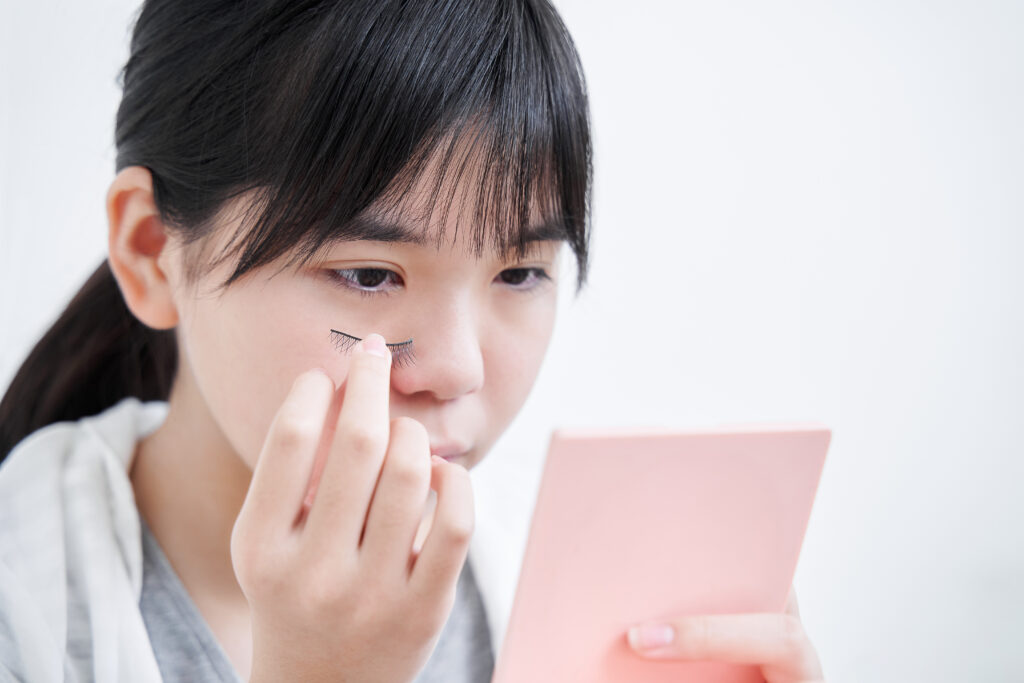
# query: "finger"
439, 562
356, 453
424, 528
770, 640
282, 472
399, 500
326, 439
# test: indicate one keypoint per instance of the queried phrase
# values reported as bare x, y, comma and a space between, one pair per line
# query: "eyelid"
368, 262
334, 275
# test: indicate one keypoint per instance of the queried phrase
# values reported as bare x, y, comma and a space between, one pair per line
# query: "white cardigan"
71, 548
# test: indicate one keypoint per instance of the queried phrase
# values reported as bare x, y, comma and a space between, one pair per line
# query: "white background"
803, 210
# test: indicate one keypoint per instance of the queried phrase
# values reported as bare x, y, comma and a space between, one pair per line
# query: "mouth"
449, 450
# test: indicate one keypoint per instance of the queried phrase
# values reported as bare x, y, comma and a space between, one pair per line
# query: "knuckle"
363, 440
256, 567
240, 531
409, 472
411, 429
242, 561
459, 529
263, 579
460, 475
311, 380
409, 465
293, 431
459, 519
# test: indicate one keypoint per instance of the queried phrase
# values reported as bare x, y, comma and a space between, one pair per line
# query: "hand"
775, 642
335, 588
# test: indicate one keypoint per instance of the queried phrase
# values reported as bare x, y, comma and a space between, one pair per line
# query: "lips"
448, 449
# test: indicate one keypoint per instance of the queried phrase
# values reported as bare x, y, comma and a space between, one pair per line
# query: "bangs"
477, 107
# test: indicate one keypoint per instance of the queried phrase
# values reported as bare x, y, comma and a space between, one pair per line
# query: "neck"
189, 487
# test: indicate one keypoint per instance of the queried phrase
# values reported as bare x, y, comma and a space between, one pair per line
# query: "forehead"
457, 195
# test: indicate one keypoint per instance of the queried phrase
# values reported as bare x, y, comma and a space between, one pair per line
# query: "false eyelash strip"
401, 352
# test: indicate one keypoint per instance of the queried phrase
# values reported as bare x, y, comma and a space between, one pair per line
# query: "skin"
479, 342
777, 643
290, 483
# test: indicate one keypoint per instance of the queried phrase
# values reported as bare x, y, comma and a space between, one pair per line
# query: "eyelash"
540, 274
402, 353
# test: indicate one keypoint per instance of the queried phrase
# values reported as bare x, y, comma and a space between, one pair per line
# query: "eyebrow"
374, 229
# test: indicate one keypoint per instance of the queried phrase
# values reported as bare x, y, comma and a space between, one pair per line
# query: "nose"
448, 361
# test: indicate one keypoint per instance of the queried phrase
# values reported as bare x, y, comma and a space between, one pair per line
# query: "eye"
518, 277
366, 281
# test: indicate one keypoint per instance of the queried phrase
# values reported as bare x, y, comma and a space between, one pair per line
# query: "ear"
137, 239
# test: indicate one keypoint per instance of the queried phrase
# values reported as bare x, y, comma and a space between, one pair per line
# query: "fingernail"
647, 636
374, 343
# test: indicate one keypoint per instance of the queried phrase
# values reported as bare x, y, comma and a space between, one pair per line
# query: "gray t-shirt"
187, 651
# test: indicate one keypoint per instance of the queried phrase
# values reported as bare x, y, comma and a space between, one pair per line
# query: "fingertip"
306, 385
328, 377
375, 345
312, 375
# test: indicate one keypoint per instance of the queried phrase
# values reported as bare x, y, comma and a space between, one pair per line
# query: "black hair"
320, 113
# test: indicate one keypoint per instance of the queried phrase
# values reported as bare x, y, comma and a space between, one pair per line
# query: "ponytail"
323, 110
96, 354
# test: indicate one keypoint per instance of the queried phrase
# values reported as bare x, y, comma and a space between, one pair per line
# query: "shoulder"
109, 435
69, 534
64, 470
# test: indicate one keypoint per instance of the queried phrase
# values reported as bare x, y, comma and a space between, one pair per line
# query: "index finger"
282, 470
357, 451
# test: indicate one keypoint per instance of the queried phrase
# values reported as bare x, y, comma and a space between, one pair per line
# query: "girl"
334, 249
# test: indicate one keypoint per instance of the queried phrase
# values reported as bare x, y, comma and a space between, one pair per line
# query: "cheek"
517, 358
246, 349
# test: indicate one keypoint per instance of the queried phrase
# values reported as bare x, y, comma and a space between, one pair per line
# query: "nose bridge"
447, 346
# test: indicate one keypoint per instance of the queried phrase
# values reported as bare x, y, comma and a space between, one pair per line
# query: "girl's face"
479, 329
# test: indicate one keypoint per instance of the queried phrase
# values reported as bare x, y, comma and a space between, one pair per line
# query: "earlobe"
136, 239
